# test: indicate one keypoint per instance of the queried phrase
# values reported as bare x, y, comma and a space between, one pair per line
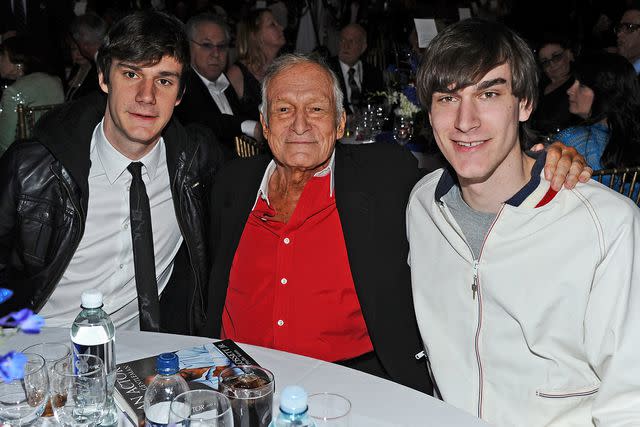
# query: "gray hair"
287, 61
88, 28
207, 18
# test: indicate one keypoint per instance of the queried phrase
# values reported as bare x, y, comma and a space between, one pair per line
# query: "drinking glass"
330, 409
201, 408
403, 129
78, 390
51, 352
250, 390
23, 401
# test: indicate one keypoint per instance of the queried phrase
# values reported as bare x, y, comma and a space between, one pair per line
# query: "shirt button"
126, 226
283, 281
128, 187
280, 322
286, 241
121, 266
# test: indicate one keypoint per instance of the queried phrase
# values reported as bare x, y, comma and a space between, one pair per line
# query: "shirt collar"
115, 163
636, 66
219, 86
263, 191
345, 68
449, 179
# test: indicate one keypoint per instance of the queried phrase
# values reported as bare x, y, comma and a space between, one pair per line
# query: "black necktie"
355, 90
20, 17
143, 257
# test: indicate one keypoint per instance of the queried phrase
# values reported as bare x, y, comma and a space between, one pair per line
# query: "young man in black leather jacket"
58, 235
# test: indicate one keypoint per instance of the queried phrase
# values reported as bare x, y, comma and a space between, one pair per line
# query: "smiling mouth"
470, 143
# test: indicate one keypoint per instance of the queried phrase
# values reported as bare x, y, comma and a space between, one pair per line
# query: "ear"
180, 95
265, 127
103, 85
525, 109
341, 125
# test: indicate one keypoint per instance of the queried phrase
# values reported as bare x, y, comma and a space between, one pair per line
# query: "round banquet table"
375, 401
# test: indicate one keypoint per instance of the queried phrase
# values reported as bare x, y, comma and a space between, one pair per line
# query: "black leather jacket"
43, 204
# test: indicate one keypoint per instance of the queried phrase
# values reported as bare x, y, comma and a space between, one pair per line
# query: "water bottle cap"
293, 400
91, 299
167, 364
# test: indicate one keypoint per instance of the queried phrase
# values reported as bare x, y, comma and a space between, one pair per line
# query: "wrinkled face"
209, 49
580, 99
555, 61
140, 102
476, 127
629, 39
353, 43
271, 32
302, 128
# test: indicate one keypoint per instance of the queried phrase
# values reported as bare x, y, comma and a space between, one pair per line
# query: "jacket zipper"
187, 243
476, 289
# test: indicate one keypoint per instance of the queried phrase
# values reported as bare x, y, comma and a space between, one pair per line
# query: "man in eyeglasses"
209, 99
629, 37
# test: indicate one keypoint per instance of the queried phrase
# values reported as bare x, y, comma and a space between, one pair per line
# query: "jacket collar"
449, 179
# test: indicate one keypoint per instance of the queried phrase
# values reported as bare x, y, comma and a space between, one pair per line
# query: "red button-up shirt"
290, 285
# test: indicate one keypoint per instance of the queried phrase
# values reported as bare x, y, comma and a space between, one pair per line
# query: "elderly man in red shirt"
310, 250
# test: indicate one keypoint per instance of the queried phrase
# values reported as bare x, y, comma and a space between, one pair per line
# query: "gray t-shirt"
474, 224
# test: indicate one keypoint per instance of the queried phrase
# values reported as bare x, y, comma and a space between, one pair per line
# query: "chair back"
625, 181
27, 118
248, 147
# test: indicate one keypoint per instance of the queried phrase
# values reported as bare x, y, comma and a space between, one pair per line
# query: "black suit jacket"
372, 80
197, 106
372, 187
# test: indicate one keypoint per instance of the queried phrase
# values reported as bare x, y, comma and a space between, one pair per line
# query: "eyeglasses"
555, 58
210, 47
626, 27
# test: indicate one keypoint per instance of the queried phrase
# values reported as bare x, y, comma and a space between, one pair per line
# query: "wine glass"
78, 390
51, 352
23, 401
403, 129
201, 408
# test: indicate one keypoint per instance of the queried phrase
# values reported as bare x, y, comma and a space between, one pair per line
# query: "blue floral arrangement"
12, 364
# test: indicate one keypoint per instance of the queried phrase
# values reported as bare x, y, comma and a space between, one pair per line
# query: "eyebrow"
139, 68
489, 83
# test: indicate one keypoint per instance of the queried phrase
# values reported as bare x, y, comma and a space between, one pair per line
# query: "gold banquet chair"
625, 181
27, 118
248, 147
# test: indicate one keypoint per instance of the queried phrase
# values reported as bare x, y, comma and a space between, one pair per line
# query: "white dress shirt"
357, 76
216, 89
104, 257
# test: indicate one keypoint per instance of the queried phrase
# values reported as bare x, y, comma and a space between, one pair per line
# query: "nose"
300, 123
467, 116
146, 92
572, 89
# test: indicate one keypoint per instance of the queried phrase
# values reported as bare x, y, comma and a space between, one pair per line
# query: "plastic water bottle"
93, 332
293, 408
162, 390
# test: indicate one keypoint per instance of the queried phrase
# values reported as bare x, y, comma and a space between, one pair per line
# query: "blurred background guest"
33, 86
259, 40
357, 78
606, 95
208, 99
87, 32
552, 113
628, 36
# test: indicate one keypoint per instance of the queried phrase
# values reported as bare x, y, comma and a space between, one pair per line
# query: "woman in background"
259, 41
606, 95
20, 61
552, 113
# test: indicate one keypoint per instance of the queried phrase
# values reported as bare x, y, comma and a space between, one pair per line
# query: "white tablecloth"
375, 402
